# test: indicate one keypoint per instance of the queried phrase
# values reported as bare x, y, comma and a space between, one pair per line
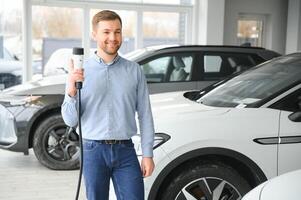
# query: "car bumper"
13, 135
8, 134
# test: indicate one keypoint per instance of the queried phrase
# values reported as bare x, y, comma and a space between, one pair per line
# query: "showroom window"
54, 28
169, 2
250, 30
65, 24
10, 43
163, 28
11, 28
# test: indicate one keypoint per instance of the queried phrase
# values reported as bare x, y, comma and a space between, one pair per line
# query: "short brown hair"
105, 15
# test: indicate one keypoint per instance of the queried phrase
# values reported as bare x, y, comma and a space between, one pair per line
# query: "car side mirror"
295, 117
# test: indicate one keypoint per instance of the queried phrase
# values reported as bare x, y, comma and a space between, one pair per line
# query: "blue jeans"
116, 161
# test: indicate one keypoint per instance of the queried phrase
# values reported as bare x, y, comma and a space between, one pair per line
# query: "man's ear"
93, 34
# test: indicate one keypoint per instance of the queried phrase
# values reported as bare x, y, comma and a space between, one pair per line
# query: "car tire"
203, 180
56, 145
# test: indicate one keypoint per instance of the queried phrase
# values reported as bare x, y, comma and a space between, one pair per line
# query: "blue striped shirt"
111, 95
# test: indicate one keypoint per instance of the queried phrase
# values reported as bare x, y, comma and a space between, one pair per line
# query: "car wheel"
206, 182
56, 145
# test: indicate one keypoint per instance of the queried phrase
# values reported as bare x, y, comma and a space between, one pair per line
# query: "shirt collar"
100, 60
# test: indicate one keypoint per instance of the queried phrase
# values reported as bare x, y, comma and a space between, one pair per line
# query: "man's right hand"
73, 76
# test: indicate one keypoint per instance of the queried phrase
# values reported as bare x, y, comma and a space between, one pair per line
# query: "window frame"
139, 8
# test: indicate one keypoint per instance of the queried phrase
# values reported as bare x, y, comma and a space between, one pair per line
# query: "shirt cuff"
147, 151
70, 99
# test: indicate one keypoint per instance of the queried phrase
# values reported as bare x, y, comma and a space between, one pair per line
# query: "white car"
286, 186
222, 143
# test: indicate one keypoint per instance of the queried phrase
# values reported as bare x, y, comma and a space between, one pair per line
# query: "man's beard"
109, 51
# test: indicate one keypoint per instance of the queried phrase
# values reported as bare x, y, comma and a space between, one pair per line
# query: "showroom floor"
24, 178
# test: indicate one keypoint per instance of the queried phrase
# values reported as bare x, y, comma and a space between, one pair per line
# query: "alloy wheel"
209, 188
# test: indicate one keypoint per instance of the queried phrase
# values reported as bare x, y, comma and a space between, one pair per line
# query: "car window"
292, 102
155, 70
256, 84
212, 63
220, 65
168, 68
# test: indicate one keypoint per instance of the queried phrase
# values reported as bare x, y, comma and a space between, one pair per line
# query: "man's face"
108, 36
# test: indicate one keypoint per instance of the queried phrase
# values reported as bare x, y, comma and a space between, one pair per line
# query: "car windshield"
256, 84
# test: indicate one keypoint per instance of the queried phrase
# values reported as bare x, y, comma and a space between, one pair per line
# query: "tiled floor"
24, 178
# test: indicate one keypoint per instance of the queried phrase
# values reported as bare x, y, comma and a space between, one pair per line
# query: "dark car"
11, 69
30, 113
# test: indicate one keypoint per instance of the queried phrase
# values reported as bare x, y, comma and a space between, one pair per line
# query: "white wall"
293, 35
275, 12
210, 19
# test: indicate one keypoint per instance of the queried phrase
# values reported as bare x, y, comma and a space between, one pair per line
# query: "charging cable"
78, 87
78, 54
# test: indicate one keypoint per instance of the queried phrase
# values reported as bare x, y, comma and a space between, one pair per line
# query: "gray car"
30, 113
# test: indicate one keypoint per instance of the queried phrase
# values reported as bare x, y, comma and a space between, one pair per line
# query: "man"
114, 89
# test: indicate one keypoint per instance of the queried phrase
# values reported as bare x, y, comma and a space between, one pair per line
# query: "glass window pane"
54, 28
128, 29
250, 31
163, 28
168, 68
10, 43
174, 2
155, 70
212, 63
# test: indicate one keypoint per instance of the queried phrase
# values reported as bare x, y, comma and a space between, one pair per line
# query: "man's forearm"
69, 112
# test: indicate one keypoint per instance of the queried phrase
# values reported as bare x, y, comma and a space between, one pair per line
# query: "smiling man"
114, 89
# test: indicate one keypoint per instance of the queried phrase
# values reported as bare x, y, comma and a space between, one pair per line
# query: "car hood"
44, 86
172, 103
285, 186
10, 66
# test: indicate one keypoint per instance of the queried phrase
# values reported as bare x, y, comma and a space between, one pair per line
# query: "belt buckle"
110, 141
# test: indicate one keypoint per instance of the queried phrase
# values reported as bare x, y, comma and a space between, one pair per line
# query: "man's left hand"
147, 166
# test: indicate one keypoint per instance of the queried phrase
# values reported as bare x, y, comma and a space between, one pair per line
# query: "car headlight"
24, 100
160, 138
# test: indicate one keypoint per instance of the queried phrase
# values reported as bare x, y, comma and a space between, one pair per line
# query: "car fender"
165, 167
51, 105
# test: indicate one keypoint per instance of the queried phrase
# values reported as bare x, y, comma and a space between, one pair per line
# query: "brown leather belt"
115, 141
